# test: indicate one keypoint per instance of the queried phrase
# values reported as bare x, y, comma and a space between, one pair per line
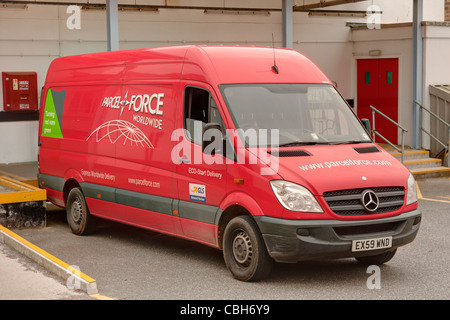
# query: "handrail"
446, 146
376, 133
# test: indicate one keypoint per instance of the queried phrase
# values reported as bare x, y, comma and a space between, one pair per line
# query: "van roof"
212, 64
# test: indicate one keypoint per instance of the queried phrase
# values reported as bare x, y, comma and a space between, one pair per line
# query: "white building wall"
19, 141
436, 56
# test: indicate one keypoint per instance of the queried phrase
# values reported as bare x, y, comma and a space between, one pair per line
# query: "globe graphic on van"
120, 131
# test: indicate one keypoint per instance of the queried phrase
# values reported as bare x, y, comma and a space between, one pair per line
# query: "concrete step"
411, 154
419, 162
423, 163
434, 172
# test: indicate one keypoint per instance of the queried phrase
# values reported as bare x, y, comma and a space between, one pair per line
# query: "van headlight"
295, 197
411, 195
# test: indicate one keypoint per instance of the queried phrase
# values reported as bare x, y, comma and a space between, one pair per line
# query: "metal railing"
376, 133
446, 161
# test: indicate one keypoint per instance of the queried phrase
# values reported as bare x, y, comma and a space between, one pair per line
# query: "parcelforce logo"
370, 201
147, 108
144, 103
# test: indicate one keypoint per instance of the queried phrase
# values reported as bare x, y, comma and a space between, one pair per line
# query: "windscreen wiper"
300, 143
312, 143
348, 142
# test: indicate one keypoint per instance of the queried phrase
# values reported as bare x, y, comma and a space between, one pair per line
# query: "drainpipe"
287, 23
417, 71
112, 24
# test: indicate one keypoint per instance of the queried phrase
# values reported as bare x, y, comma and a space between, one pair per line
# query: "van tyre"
80, 221
377, 259
244, 251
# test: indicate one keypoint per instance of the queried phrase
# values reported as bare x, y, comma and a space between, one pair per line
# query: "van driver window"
199, 110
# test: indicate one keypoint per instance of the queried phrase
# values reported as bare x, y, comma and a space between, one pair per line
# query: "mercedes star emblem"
370, 200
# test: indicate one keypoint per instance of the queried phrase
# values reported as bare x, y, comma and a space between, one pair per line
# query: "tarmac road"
135, 264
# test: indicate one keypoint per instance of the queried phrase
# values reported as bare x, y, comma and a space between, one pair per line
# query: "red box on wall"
19, 91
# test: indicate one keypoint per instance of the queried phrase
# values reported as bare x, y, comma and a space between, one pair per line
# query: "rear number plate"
372, 244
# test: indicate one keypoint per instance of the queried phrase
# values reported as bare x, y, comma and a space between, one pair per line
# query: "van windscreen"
301, 114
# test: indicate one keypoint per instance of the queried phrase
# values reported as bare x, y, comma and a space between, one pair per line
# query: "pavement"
23, 279
29, 272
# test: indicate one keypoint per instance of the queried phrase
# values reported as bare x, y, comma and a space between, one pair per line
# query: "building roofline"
363, 25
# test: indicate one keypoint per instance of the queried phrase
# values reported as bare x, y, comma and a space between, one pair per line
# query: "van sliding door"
144, 192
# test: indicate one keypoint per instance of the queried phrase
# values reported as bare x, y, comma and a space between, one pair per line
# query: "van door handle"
184, 160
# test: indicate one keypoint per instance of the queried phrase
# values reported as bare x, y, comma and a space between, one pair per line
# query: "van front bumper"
296, 240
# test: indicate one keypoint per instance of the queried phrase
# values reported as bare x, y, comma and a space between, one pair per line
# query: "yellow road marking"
420, 196
101, 297
419, 193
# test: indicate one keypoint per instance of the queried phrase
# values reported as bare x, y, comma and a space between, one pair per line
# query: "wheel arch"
226, 216
73, 180
236, 204
69, 185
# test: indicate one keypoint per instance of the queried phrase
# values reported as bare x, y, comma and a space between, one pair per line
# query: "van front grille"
350, 202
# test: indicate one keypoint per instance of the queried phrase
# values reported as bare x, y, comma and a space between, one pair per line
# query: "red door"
377, 86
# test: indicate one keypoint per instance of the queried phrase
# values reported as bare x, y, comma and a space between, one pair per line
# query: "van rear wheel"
244, 251
80, 221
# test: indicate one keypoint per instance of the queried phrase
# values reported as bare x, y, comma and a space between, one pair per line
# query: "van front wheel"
244, 250
78, 217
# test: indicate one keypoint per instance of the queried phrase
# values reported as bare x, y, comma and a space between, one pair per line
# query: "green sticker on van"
53, 110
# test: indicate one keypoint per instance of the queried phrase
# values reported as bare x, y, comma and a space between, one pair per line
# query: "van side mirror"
366, 124
214, 136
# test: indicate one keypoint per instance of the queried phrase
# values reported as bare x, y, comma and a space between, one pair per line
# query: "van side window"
200, 109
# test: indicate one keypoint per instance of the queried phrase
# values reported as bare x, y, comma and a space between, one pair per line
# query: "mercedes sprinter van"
250, 150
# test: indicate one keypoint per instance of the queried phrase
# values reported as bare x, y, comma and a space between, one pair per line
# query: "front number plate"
371, 244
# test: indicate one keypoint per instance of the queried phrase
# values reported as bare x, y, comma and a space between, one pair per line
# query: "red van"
250, 150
